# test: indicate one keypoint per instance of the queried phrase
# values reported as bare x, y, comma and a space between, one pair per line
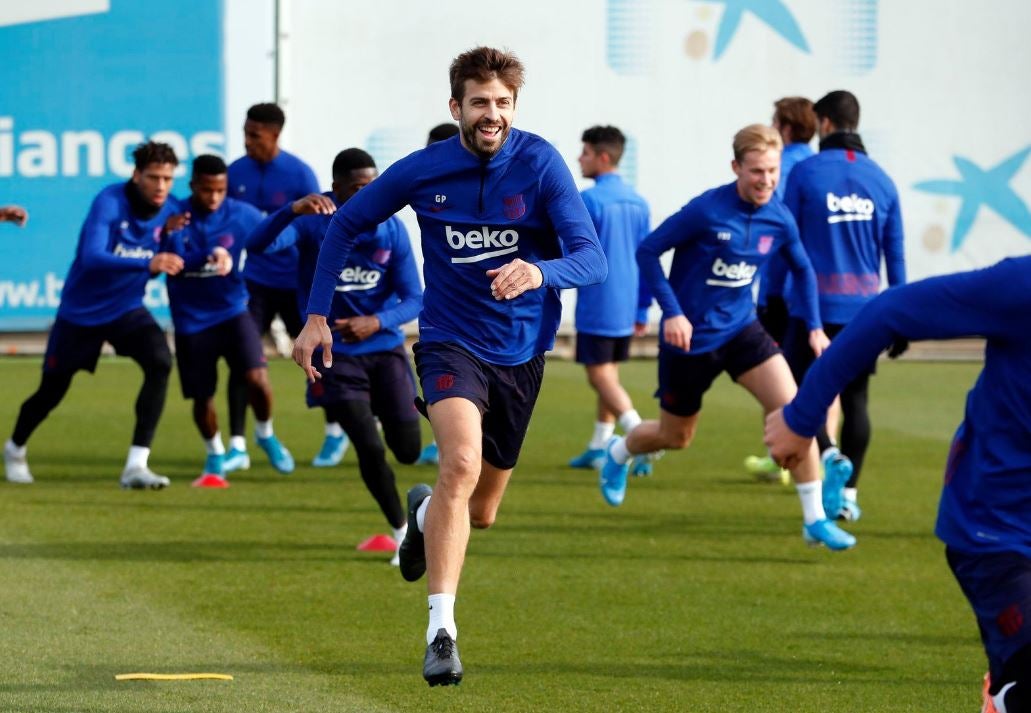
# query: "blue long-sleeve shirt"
477, 215
379, 279
268, 187
622, 220
112, 260
721, 242
848, 214
986, 499
199, 298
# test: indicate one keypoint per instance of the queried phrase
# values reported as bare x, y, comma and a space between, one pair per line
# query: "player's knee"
460, 466
257, 378
482, 520
160, 363
678, 438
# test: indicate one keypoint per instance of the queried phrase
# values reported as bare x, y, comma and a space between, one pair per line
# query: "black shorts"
135, 334
504, 395
684, 378
266, 302
593, 349
800, 355
384, 379
236, 340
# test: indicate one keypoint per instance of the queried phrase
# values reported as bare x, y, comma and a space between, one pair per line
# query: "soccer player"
721, 239
268, 178
795, 119
14, 214
209, 311
984, 516
848, 215
376, 292
102, 301
503, 230
608, 314
440, 132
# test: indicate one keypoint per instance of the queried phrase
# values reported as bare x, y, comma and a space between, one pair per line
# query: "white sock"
852, 494
629, 420
334, 429
238, 443
602, 433
442, 616
137, 457
420, 514
399, 533
214, 445
15, 451
619, 452
811, 495
263, 429
999, 699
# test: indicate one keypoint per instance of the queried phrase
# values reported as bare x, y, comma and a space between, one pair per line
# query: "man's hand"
221, 261
514, 279
640, 329
356, 329
314, 204
14, 214
787, 448
168, 263
677, 331
176, 223
315, 334
818, 341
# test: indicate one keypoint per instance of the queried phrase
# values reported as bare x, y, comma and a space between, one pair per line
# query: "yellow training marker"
173, 677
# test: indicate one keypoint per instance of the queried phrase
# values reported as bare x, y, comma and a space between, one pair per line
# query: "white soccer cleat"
143, 478
17, 468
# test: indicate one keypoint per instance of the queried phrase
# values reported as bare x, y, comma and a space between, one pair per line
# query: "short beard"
471, 137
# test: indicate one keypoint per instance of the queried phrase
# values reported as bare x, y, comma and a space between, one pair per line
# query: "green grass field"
697, 595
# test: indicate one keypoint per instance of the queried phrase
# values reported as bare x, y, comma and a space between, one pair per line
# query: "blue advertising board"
83, 85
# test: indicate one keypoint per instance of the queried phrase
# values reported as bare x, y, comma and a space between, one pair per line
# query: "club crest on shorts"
765, 243
445, 382
515, 206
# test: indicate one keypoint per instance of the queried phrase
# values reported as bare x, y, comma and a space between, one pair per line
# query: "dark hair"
209, 165
153, 152
841, 107
796, 113
267, 113
441, 132
350, 160
483, 64
607, 139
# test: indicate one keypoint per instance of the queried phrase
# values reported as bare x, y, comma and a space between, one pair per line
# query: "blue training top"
112, 260
380, 277
848, 215
268, 187
986, 500
621, 218
477, 215
199, 297
720, 242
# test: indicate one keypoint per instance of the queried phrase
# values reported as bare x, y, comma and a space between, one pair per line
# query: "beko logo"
845, 209
495, 242
734, 275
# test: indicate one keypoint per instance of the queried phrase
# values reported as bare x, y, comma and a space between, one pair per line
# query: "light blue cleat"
277, 454
429, 455
332, 451
214, 464
641, 466
824, 532
592, 458
837, 469
612, 479
850, 511
236, 460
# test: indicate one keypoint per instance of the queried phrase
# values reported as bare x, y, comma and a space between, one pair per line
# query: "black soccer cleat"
441, 666
412, 552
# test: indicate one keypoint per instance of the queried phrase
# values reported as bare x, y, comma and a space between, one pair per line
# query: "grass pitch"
697, 595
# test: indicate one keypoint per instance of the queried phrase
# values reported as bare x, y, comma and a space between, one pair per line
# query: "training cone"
210, 480
378, 543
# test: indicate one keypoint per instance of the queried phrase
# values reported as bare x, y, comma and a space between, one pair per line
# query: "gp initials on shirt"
732, 275
495, 242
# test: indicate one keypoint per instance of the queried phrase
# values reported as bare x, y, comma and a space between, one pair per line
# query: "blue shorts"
384, 379
684, 378
236, 340
504, 395
135, 334
998, 587
593, 349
